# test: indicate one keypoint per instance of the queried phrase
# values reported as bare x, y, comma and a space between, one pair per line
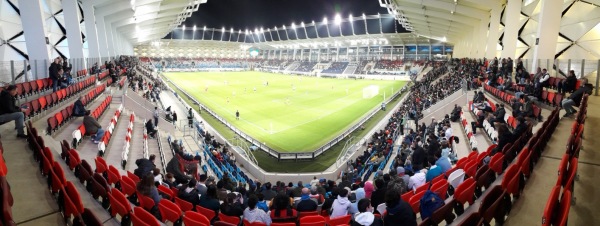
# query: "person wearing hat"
9, 111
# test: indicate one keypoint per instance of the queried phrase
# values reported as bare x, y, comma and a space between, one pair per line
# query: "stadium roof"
144, 20
399, 39
441, 18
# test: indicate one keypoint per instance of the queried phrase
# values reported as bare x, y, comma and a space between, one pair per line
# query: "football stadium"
299, 113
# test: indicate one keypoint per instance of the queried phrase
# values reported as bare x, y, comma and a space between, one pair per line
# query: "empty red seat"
52, 124
128, 187
145, 202
415, 201
464, 194
76, 209
511, 180
74, 159
193, 218
113, 175
42, 101
229, 219
184, 205
341, 220
208, 213
496, 163
440, 188
169, 211
101, 166
313, 221
143, 217
550, 211
57, 176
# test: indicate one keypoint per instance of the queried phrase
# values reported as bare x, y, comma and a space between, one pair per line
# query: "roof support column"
35, 35
481, 42
110, 40
511, 30
547, 32
492, 39
91, 32
70, 10
102, 41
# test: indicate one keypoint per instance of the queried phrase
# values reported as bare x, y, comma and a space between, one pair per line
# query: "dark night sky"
242, 14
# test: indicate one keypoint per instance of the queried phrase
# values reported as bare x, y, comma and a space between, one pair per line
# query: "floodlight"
204, 28
338, 19
444, 38
194, 27
302, 24
350, 17
325, 20
313, 22
284, 26
183, 28
451, 12
246, 31
269, 29
231, 30
364, 17
223, 29
255, 30
378, 15
262, 30
293, 25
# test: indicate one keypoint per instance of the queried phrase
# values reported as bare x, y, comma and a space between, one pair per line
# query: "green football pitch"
288, 113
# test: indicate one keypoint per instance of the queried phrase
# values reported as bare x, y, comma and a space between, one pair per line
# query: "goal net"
370, 91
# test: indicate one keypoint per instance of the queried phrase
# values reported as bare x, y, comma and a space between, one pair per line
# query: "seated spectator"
93, 127
442, 160
210, 201
504, 137
262, 203
527, 107
306, 203
78, 108
158, 177
170, 180
9, 111
150, 129
359, 194
146, 187
341, 205
231, 207
365, 216
521, 127
417, 179
399, 212
268, 193
254, 214
282, 209
575, 98
498, 115
144, 166
202, 184
190, 193
433, 172
567, 85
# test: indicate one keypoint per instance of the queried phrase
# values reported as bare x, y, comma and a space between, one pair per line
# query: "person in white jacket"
341, 205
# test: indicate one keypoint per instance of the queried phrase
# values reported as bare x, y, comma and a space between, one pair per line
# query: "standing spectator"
254, 214
174, 116
9, 111
144, 166
156, 115
575, 98
53, 71
202, 184
378, 195
190, 118
399, 213
93, 127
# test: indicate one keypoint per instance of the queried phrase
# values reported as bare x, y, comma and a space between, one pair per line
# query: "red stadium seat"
169, 211
415, 201
313, 221
550, 211
101, 166
208, 213
229, 219
193, 218
464, 194
143, 217
146, 202
184, 205
341, 220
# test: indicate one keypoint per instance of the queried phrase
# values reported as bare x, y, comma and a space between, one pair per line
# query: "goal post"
370, 91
